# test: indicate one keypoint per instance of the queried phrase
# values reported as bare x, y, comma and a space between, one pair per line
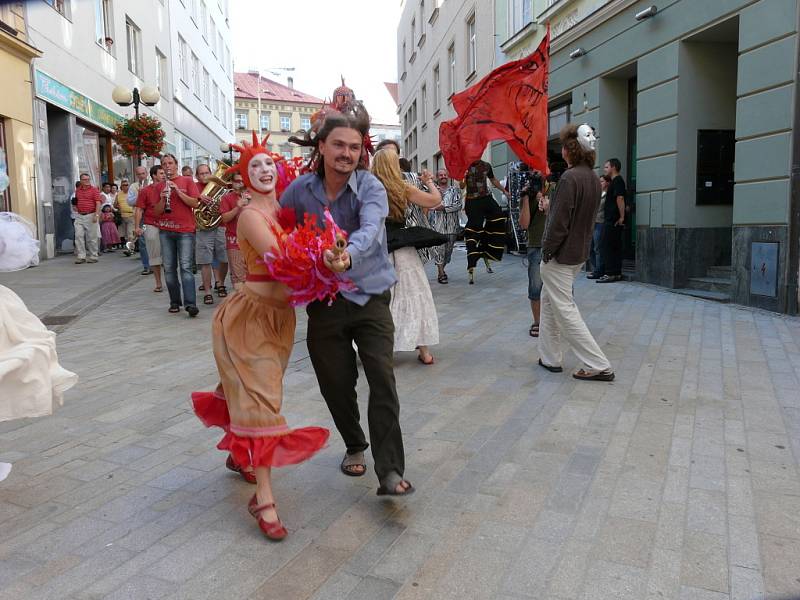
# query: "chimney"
290, 81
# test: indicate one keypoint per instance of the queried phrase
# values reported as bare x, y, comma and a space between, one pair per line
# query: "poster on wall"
87, 146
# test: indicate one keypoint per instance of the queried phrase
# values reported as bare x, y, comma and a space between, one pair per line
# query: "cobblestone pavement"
677, 481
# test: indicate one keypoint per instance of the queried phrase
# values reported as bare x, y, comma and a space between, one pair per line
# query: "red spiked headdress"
288, 170
246, 153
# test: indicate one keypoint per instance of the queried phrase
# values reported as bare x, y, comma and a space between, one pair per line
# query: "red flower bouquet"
297, 260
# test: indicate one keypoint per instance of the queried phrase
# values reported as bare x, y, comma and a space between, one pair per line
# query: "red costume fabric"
509, 104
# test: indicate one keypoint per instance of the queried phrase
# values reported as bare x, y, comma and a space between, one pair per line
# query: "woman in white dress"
416, 325
31, 380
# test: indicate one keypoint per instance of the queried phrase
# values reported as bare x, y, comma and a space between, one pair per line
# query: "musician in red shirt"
146, 223
230, 206
88, 204
177, 196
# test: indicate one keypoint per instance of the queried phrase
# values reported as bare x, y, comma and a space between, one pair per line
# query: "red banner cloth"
509, 104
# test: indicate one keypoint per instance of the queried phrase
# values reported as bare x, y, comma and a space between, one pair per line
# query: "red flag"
509, 104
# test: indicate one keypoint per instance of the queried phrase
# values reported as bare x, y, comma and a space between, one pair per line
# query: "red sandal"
248, 476
274, 530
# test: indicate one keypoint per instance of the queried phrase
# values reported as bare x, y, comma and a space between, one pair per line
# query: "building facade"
270, 107
699, 102
203, 78
91, 46
16, 112
443, 47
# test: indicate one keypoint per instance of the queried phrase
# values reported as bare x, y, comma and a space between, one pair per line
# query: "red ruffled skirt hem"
286, 447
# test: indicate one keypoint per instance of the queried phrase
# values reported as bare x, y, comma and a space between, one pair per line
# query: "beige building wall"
16, 111
278, 136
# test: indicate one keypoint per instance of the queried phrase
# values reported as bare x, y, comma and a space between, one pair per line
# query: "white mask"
586, 137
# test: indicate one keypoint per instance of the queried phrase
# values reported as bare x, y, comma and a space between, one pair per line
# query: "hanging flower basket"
144, 133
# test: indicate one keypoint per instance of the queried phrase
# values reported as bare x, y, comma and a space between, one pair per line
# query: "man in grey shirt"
357, 201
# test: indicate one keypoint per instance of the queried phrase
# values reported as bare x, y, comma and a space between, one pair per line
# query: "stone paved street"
677, 481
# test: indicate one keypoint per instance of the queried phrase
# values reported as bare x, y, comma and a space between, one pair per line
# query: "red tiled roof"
245, 85
392, 87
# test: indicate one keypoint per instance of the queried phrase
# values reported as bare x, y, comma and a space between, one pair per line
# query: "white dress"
413, 310
31, 380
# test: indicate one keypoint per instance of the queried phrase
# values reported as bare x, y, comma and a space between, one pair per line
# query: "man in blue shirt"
357, 201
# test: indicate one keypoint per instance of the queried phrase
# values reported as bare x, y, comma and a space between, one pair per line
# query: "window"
216, 100
421, 22
424, 103
193, 10
196, 74
241, 120
472, 56
104, 22
306, 152
61, 6
436, 89
133, 37
220, 46
305, 123
206, 89
519, 15
162, 77
451, 67
265, 121
413, 33
557, 118
286, 122
213, 37
183, 57
286, 151
203, 18
221, 106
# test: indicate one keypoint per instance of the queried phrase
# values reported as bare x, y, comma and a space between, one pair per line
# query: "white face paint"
586, 137
262, 173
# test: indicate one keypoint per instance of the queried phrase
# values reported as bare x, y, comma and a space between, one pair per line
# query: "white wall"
193, 119
449, 27
72, 56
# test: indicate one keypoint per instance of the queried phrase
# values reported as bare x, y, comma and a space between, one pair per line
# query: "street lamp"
227, 147
149, 96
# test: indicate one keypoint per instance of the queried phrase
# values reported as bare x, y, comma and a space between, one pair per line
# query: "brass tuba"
207, 216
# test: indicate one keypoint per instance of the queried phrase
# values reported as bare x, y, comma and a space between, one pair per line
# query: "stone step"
704, 294
710, 284
720, 271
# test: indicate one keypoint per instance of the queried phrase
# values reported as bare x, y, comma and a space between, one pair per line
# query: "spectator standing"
565, 247
125, 229
108, 229
89, 200
533, 217
596, 254
141, 182
186, 171
613, 223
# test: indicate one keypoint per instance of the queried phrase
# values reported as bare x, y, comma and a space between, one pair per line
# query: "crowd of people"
395, 221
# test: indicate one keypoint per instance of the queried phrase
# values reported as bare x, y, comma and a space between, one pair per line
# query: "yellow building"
283, 111
16, 112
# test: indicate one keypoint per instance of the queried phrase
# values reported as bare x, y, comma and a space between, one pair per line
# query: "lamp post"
227, 147
149, 96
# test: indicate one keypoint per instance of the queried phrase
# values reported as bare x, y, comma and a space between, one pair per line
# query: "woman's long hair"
386, 167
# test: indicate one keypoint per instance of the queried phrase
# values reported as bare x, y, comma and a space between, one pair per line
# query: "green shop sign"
59, 94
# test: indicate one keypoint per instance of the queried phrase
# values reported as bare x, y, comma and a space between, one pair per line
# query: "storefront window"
123, 165
5, 197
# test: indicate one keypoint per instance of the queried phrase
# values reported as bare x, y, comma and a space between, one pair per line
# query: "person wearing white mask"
565, 248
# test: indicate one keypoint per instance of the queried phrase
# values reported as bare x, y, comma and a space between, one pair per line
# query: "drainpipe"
792, 287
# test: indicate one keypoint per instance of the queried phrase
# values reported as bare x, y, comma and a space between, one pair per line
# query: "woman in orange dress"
253, 335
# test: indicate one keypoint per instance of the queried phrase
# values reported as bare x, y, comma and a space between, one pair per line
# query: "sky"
322, 39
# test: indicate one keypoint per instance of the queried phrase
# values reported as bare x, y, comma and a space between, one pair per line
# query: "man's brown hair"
576, 154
